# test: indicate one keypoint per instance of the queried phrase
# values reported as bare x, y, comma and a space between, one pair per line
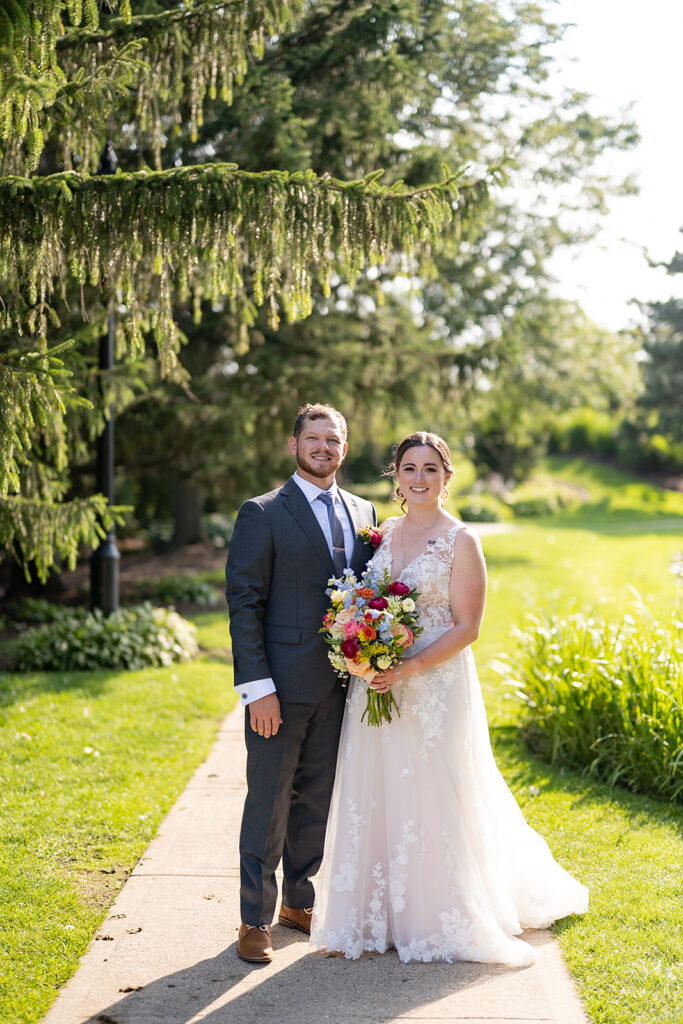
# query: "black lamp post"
104, 561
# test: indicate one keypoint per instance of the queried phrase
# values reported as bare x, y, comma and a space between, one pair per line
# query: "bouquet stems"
380, 707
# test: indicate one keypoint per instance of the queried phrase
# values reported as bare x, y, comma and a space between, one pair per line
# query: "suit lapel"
297, 504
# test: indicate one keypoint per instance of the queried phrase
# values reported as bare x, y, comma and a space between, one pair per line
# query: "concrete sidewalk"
167, 952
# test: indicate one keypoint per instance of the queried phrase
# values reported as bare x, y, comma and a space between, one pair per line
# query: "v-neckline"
424, 552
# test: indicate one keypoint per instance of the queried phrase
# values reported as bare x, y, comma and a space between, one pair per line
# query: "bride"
426, 849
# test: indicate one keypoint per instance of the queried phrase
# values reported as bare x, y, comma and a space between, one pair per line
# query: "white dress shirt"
256, 688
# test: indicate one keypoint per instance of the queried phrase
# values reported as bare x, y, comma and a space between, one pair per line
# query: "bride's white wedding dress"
426, 848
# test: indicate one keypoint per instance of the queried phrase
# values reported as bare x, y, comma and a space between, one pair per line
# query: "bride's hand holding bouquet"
368, 628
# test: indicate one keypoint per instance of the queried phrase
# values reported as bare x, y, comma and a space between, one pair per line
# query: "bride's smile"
421, 478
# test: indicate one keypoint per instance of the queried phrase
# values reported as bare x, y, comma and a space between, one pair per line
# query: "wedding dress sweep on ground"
426, 849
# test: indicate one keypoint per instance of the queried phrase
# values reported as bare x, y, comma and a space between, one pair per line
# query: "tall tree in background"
663, 364
146, 244
651, 433
402, 86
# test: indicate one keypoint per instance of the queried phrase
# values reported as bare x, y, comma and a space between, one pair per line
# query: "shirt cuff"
254, 689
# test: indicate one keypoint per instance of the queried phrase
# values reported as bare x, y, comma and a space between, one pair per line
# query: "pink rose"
344, 615
398, 589
350, 648
378, 603
351, 629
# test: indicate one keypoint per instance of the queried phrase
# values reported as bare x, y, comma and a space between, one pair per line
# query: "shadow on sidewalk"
316, 988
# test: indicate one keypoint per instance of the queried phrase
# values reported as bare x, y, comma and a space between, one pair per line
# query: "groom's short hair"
318, 411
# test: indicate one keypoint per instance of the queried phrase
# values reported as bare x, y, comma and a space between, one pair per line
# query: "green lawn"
73, 822
91, 764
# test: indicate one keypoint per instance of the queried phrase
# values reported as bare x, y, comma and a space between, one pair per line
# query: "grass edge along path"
92, 762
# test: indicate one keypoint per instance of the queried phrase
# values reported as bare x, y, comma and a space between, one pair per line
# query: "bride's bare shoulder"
467, 547
388, 524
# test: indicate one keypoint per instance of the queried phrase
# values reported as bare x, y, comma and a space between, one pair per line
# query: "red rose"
369, 535
350, 648
378, 603
398, 589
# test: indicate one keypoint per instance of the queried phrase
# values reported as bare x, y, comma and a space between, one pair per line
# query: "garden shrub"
35, 610
131, 638
480, 508
605, 697
533, 500
643, 451
585, 430
218, 528
177, 590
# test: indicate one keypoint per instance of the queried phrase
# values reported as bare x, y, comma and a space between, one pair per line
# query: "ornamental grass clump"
605, 697
131, 638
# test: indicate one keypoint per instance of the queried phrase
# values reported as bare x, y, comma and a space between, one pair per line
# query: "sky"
627, 51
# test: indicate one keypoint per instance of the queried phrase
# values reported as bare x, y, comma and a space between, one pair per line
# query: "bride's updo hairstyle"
420, 439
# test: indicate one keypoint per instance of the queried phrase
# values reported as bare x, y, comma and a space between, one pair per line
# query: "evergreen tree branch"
39, 532
34, 388
184, 54
209, 232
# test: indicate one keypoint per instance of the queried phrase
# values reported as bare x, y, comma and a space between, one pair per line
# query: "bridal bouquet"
368, 628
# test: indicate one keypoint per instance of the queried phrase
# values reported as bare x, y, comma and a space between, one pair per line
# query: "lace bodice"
429, 573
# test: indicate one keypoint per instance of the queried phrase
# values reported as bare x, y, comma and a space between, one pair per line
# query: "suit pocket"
282, 634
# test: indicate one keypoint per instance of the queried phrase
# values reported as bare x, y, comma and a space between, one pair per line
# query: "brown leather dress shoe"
254, 944
298, 919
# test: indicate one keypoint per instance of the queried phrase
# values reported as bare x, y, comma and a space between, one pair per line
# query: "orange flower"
368, 633
366, 592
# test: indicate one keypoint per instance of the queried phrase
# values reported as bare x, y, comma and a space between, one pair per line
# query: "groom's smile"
319, 450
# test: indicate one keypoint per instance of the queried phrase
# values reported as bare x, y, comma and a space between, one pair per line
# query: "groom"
285, 547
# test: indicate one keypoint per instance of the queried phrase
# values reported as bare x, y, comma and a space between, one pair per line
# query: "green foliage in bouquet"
605, 697
131, 638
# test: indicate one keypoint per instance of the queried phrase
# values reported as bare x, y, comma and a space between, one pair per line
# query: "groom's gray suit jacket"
276, 575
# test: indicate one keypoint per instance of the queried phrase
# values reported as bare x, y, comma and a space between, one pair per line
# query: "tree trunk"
187, 514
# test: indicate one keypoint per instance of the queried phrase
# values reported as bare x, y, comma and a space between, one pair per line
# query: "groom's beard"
321, 470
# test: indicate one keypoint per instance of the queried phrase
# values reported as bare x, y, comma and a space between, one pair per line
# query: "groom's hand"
264, 715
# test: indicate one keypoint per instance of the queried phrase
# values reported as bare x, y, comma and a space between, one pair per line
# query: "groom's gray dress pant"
289, 780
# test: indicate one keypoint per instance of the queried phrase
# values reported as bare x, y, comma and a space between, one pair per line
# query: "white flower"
384, 662
337, 597
408, 605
